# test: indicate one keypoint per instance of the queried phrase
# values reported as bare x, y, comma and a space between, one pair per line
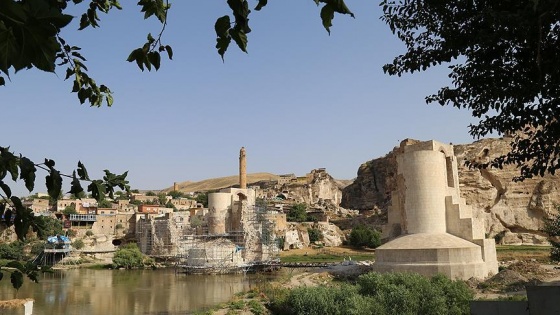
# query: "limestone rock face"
320, 188
514, 210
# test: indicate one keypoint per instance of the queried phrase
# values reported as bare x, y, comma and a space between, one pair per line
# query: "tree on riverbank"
128, 256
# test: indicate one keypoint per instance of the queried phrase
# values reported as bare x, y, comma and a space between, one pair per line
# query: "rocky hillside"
320, 188
512, 210
221, 182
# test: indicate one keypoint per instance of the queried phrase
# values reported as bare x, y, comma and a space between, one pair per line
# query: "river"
116, 292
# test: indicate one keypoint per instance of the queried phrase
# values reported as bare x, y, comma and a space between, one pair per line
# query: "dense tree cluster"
504, 62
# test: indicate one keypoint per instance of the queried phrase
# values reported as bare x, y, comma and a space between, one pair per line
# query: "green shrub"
12, 251
342, 299
128, 256
297, 213
237, 305
78, 244
256, 307
71, 209
499, 236
89, 233
314, 235
409, 293
364, 236
118, 226
72, 233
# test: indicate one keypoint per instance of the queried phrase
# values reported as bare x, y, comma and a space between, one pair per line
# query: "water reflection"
103, 292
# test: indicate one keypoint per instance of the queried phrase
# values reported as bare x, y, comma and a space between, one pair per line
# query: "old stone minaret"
242, 169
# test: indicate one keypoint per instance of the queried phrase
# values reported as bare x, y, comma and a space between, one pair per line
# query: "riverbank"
519, 266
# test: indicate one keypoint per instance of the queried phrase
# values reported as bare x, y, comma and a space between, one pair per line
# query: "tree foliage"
48, 226
315, 235
364, 236
552, 229
504, 61
202, 198
128, 257
68, 210
30, 37
297, 213
18, 167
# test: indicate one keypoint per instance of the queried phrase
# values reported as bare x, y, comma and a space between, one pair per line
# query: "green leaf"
23, 218
49, 163
261, 4
8, 217
222, 44
82, 172
327, 14
69, 72
75, 185
6, 189
97, 189
239, 37
17, 279
54, 184
109, 99
27, 172
222, 25
155, 59
9, 49
169, 52
9, 162
340, 7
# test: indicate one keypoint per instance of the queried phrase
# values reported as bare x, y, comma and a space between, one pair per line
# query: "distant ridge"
221, 182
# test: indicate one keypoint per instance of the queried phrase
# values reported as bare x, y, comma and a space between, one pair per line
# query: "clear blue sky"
300, 99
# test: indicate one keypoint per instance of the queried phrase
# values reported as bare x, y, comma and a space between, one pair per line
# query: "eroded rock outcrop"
512, 210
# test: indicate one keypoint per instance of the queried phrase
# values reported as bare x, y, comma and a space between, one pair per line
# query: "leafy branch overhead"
504, 61
226, 30
21, 168
30, 37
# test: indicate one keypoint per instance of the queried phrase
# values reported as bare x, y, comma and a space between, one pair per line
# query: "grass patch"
523, 252
522, 248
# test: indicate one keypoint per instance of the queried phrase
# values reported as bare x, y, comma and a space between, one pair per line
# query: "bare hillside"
221, 182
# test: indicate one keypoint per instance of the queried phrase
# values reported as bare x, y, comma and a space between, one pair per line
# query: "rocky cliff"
513, 211
320, 189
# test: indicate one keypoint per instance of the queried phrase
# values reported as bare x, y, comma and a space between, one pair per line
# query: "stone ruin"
434, 230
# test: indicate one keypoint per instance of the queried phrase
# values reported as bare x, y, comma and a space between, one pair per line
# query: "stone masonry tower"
242, 169
435, 230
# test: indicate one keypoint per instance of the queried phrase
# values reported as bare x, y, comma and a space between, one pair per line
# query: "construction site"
232, 235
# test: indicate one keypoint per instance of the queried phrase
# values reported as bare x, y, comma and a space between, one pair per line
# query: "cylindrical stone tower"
242, 169
426, 182
218, 204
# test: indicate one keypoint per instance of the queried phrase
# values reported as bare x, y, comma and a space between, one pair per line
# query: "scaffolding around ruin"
249, 241
252, 248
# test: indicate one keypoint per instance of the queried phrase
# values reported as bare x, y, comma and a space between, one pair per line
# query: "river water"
116, 292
